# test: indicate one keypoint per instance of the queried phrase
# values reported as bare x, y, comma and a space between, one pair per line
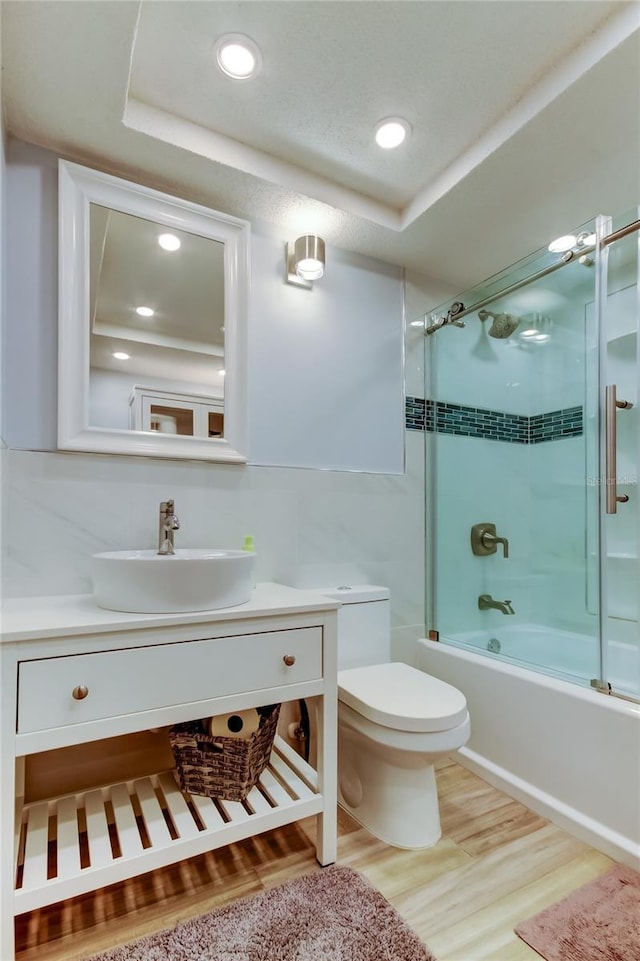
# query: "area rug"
332, 915
598, 922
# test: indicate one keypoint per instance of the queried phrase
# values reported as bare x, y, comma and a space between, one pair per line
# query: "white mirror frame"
78, 188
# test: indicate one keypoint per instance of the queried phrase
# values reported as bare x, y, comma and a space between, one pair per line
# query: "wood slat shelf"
73, 844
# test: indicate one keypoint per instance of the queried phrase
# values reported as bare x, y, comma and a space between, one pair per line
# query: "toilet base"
392, 794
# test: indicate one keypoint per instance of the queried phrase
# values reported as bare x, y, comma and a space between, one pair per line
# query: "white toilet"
393, 722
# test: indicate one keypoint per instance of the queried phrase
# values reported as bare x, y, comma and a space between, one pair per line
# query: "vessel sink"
145, 582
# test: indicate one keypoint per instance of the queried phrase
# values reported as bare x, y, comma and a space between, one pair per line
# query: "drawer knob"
289, 660
80, 692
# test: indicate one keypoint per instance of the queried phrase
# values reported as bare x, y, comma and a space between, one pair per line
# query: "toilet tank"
364, 624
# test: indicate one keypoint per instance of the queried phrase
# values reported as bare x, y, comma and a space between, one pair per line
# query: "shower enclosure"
533, 448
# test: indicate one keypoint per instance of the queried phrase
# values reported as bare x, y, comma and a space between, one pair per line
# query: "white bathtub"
562, 654
566, 751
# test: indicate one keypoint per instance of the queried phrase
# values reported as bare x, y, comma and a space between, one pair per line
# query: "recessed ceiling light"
145, 311
561, 244
238, 56
169, 241
392, 132
221, 371
120, 355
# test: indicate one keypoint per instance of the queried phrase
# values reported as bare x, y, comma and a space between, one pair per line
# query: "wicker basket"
220, 766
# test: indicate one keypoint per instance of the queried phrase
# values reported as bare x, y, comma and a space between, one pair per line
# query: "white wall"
3, 272
479, 371
29, 361
312, 527
3, 275
422, 294
325, 365
325, 388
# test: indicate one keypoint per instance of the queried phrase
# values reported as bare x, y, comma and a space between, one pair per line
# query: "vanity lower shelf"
73, 844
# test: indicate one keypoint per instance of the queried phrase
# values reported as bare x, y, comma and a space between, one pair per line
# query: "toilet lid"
402, 697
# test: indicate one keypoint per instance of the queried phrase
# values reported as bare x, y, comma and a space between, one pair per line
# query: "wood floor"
496, 863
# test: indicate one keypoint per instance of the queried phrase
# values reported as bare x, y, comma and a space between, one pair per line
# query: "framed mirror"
153, 298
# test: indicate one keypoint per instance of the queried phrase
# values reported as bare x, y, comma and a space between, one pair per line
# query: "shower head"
503, 324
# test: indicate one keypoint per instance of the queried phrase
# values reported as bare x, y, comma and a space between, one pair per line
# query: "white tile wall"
486, 481
310, 527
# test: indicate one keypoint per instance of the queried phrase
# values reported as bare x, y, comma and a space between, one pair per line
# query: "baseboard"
602, 838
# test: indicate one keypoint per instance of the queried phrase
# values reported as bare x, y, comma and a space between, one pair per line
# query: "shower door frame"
607, 416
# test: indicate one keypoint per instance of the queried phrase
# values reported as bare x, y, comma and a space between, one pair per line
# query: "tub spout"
486, 602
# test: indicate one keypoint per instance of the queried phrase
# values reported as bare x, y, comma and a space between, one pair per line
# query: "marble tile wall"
310, 527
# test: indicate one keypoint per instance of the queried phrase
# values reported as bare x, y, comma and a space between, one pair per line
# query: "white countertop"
30, 618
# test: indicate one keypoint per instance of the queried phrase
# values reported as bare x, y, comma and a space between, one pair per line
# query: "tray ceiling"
525, 116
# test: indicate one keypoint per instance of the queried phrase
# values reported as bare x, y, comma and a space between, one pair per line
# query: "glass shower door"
511, 442
620, 508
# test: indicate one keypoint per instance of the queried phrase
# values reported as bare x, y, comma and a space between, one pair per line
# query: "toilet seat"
401, 697
418, 743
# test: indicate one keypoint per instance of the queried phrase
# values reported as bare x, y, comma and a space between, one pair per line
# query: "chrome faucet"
486, 602
167, 524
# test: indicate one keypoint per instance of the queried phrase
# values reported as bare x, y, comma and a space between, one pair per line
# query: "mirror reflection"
156, 316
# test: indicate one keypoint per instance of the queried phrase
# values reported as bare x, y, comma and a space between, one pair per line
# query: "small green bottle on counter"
249, 546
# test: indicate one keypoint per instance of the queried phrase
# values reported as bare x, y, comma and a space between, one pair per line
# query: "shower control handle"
484, 540
490, 540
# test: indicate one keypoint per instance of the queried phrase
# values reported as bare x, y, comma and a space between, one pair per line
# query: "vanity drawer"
50, 691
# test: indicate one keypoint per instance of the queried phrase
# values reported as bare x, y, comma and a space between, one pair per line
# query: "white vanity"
74, 673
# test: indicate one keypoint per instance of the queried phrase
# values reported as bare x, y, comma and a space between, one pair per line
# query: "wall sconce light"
305, 261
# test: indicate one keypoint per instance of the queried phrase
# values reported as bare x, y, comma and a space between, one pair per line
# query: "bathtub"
566, 751
562, 654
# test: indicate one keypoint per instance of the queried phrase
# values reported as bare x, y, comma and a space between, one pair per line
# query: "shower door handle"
611, 443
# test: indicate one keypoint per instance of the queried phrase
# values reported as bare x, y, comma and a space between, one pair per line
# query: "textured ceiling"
332, 70
525, 115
